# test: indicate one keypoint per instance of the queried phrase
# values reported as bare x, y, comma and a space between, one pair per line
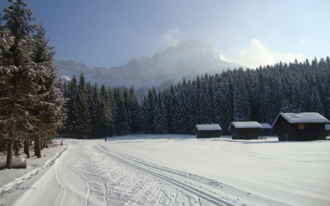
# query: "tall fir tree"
83, 114
160, 117
135, 111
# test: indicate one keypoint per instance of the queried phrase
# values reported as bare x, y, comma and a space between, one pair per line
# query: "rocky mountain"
187, 59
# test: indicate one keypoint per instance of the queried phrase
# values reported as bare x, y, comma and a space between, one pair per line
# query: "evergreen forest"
234, 95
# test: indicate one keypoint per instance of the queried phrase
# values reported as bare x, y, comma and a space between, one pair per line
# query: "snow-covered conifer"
160, 118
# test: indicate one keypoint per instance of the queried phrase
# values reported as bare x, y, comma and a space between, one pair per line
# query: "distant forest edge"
234, 95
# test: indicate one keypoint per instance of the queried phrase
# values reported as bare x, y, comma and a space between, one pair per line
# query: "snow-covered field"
174, 170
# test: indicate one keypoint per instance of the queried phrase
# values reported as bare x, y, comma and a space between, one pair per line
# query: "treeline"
234, 95
30, 97
94, 112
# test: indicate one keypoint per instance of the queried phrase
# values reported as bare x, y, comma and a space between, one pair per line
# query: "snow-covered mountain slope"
187, 59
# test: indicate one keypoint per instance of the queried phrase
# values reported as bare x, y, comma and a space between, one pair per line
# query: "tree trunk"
41, 144
16, 148
37, 147
26, 148
9, 153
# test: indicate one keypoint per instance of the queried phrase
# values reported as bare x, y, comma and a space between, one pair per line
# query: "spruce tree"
83, 114
135, 111
105, 113
121, 121
160, 118
17, 74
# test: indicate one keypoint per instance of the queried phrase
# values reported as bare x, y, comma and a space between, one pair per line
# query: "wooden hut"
306, 126
266, 129
207, 130
245, 130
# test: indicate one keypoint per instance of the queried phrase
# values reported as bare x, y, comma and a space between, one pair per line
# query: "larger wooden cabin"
306, 126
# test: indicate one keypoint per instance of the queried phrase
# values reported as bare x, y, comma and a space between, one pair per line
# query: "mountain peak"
187, 59
191, 44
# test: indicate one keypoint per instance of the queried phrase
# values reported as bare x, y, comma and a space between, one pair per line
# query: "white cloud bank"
255, 54
171, 37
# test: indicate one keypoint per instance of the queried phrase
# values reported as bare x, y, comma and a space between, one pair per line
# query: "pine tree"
46, 107
71, 107
174, 104
83, 114
121, 121
143, 125
241, 111
95, 109
160, 118
135, 111
105, 113
17, 74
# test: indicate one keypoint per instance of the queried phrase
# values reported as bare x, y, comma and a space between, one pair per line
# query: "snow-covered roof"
306, 117
327, 126
251, 124
202, 127
265, 126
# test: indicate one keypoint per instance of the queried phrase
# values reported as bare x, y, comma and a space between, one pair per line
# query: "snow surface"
179, 170
208, 127
251, 124
265, 126
306, 117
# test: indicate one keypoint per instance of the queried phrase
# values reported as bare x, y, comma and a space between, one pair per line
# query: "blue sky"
108, 33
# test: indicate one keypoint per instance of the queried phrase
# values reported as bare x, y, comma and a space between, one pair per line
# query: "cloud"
171, 37
256, 54
304, 40
222, 57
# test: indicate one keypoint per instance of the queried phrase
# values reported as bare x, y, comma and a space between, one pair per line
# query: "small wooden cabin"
266, 130
305, 126
207, 130
245, 130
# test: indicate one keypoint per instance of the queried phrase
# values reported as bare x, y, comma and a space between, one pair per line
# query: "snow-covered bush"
19, 163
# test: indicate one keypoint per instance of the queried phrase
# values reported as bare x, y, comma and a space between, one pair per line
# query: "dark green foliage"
31, 98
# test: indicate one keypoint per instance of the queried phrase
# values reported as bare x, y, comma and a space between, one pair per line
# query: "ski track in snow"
139, 166
89, 173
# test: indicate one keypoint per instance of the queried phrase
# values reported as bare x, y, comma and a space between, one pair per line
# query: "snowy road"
90, 174
181, 170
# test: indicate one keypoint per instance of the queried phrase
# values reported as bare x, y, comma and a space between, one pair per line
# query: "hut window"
301, 126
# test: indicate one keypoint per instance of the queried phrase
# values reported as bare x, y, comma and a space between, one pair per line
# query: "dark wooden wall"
291, 132
246, 133
266, 132
208, 133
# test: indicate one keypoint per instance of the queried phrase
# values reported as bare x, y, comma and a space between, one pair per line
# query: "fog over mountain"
187, 59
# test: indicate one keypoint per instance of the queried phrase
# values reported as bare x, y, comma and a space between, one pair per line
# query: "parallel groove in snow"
198, 193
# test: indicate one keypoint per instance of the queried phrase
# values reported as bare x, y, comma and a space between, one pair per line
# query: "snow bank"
19, 180
19, 163
16, 163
